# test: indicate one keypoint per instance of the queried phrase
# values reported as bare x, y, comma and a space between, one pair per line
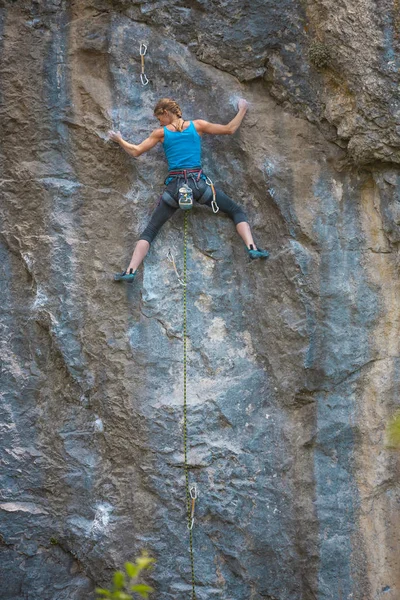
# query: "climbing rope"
191, 492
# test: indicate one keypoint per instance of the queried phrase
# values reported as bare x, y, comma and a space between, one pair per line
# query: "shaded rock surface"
294, 363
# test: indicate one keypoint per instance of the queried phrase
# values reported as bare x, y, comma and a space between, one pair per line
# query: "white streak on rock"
101, 519
98, 425
27, 507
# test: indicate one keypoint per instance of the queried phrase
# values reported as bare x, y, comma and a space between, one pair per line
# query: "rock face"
294, 363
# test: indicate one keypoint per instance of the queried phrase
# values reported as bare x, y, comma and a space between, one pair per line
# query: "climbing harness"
191, 491
185, 174
195, 175
143, 77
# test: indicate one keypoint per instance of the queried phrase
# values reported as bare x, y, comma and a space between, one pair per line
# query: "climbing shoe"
257, 253
129, 277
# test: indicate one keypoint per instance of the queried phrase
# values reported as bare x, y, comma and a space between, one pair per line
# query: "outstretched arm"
229, 129
138, 149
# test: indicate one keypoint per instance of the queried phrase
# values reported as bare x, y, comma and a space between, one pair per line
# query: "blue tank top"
182, 148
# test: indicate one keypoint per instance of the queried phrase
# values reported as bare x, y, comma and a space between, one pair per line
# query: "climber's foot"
257, 253
129, 277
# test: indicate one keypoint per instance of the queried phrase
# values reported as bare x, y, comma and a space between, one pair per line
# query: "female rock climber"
181, 141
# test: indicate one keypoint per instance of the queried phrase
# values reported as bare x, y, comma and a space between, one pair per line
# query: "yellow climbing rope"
191, 492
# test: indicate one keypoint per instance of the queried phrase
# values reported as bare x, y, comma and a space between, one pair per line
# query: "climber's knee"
161, 214
149, 233
229, 207
238, 215
148, 236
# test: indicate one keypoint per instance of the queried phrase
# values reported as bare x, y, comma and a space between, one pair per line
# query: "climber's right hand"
115, 136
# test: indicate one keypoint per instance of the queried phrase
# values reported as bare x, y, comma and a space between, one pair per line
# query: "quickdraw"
214, 204
193, 497
171, 259
143, 77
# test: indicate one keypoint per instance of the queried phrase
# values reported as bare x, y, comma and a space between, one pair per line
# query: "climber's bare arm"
229, 129
137, 149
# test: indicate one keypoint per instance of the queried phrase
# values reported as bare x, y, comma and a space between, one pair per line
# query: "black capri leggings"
164, 211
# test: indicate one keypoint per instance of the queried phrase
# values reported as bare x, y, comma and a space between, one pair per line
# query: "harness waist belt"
185, 172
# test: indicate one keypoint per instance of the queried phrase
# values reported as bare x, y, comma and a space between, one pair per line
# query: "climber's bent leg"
229, 207
238, 216
160, 215
236, 213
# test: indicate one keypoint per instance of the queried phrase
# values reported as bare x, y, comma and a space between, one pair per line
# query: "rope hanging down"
191, 492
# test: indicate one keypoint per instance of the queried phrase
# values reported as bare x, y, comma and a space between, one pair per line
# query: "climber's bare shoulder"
213, 128
157, 135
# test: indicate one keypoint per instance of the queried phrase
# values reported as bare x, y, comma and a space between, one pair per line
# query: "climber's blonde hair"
166, 104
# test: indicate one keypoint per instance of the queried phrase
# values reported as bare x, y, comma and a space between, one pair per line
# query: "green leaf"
121, 596
119, 580
142, 589
144, 561
103, 592
131, 570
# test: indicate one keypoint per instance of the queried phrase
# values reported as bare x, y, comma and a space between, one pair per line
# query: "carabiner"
143, 52
193, 496
143, 79
214, 204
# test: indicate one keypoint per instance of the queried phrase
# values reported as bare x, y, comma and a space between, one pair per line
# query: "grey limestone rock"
293, 362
